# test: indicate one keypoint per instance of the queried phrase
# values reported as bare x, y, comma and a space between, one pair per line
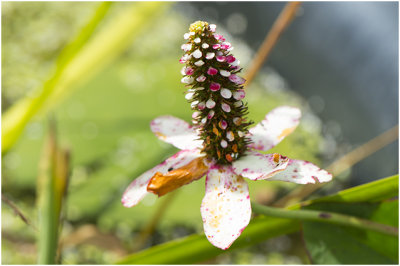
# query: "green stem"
324, 217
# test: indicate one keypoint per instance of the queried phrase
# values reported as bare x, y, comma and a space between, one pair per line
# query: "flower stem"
325, 217
152, 224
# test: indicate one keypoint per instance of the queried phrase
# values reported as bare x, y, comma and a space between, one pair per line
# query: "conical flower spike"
221, 81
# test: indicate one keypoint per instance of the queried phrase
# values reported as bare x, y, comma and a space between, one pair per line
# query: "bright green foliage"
77, 63
106, 127
334, 244
197, 249
259, 229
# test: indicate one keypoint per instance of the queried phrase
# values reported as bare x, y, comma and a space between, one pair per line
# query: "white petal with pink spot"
303, 172
176, 132
199, 63
225, 208
276, 125
138, 188
256, 166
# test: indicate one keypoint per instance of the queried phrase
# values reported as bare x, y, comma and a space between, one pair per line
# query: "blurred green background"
102, 109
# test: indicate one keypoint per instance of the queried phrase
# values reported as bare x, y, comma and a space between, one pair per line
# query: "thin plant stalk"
151, 226
17, 211
344, 163
51, 189
325, 217
280, 24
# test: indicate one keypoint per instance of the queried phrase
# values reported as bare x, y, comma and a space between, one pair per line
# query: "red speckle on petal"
315, 179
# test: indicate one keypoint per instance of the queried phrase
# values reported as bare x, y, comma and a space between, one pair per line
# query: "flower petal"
277, 124
225, 208
176, 132
138, 188
303, 172
161, 184
257, 166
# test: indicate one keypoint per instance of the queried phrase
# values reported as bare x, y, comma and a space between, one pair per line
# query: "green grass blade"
84, 35
80, 60
15, 118
52, 185
381, 189
196, 248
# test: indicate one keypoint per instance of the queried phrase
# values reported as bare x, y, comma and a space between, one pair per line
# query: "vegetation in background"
105, 125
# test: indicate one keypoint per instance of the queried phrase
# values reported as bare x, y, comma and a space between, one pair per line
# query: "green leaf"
386, 213
196, 248
371, 192
334, 244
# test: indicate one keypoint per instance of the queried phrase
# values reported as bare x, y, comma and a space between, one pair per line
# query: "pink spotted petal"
219, 37
230, 59
138, 188
212, 71
236, 79
176, 132
256, 166
226, 45
189, 71
183, 59
302, 172
276, 125
215, 86
216, 46
220, 58
225, 208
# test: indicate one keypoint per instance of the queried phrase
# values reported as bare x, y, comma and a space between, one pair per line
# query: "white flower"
224, 221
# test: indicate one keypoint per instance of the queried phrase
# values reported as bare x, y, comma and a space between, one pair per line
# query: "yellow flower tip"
198, 26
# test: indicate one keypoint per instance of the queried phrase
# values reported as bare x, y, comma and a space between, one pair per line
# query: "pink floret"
236, 79
189, 71
230, 59
212, 71
215, 86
